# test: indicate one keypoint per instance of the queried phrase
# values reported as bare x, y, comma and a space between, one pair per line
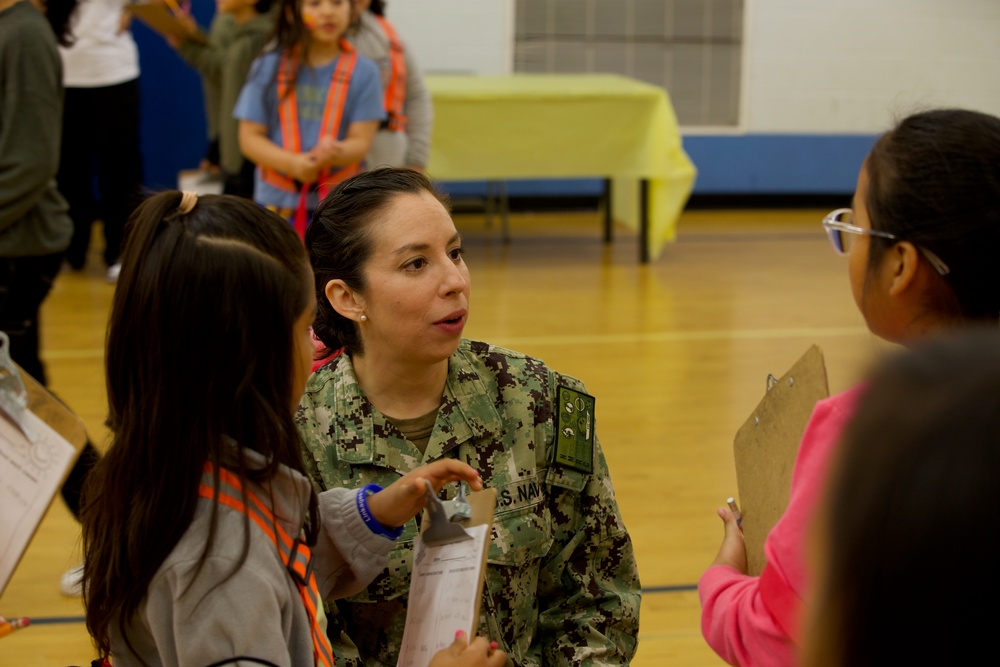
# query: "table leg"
644, 221
504, 211
607, 210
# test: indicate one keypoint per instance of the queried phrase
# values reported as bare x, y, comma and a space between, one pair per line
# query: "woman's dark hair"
908, 545
263, 6
934, 181
340, 242
59, 14
377, 7
199, 356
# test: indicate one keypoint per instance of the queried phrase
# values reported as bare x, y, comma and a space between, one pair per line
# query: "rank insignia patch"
575, 429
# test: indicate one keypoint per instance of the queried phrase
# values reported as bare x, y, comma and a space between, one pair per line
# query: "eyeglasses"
839, 229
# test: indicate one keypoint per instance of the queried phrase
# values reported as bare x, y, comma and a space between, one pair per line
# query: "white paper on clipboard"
31, 473
444, 590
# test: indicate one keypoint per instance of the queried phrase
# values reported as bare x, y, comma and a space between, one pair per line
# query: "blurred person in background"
100, 170
404, 137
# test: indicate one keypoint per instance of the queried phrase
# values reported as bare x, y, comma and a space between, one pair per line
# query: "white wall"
811, 66
852, 66
468, 36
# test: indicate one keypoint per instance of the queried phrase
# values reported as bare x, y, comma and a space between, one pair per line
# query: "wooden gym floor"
677, 353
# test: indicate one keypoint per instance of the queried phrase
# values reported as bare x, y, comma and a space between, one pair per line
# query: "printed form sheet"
30, 475
443, 590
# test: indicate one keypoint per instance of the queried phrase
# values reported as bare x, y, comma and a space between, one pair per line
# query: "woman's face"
417, 298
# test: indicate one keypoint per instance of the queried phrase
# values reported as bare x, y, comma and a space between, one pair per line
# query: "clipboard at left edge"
53, 412
31, 411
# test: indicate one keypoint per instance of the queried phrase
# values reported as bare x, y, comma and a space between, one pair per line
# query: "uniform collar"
361, 434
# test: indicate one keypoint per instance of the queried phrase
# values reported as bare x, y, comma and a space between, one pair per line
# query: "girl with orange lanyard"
309, 109
204, 541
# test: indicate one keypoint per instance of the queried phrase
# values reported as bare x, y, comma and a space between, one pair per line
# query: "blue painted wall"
172, 125
777, 163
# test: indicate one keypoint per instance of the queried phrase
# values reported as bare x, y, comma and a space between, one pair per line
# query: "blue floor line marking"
65, 620
56, 620
680, 588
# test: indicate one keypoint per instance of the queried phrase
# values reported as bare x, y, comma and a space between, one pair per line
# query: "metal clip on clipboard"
13, 393
443, 514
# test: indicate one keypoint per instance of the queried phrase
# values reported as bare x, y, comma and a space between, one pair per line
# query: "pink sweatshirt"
754, 620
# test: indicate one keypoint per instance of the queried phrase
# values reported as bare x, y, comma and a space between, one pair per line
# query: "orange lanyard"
336, 97
296, 556
333, 114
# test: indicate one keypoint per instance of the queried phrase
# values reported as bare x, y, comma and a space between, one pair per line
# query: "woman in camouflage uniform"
562, 586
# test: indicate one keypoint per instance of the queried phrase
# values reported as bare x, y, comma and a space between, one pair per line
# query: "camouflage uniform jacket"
562, 586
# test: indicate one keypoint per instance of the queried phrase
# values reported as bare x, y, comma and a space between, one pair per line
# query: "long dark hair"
934, 180
340, 242
907, 521
59, 14
199, 354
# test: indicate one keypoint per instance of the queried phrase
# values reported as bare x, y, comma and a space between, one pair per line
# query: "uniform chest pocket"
521, 535
521, 540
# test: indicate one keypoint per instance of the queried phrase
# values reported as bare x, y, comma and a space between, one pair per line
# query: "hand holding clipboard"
169, 19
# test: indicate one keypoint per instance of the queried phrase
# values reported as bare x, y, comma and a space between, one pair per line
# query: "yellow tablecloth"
565, 125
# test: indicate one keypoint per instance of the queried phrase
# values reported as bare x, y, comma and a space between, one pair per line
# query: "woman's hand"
733, 551
479, 653
400, 502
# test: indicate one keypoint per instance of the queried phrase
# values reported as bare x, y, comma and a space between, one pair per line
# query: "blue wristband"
366, 513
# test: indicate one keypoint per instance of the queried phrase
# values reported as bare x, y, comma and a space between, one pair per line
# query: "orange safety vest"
333, 113
395, 87
296, 556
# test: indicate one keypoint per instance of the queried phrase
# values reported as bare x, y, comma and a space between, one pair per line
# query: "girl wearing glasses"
921, 239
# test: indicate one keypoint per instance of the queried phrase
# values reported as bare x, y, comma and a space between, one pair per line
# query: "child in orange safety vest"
309, 109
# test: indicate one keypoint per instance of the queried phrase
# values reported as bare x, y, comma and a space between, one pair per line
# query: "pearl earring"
363, 318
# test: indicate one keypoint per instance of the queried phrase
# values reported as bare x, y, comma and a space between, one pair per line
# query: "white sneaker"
113, 272
71, 584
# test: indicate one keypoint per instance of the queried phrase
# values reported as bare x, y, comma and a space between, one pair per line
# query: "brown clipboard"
766, 445
158, 16
54, 413
484, 505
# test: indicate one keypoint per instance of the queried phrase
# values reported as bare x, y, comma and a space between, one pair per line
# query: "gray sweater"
33, 215
372, 42
199, 618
